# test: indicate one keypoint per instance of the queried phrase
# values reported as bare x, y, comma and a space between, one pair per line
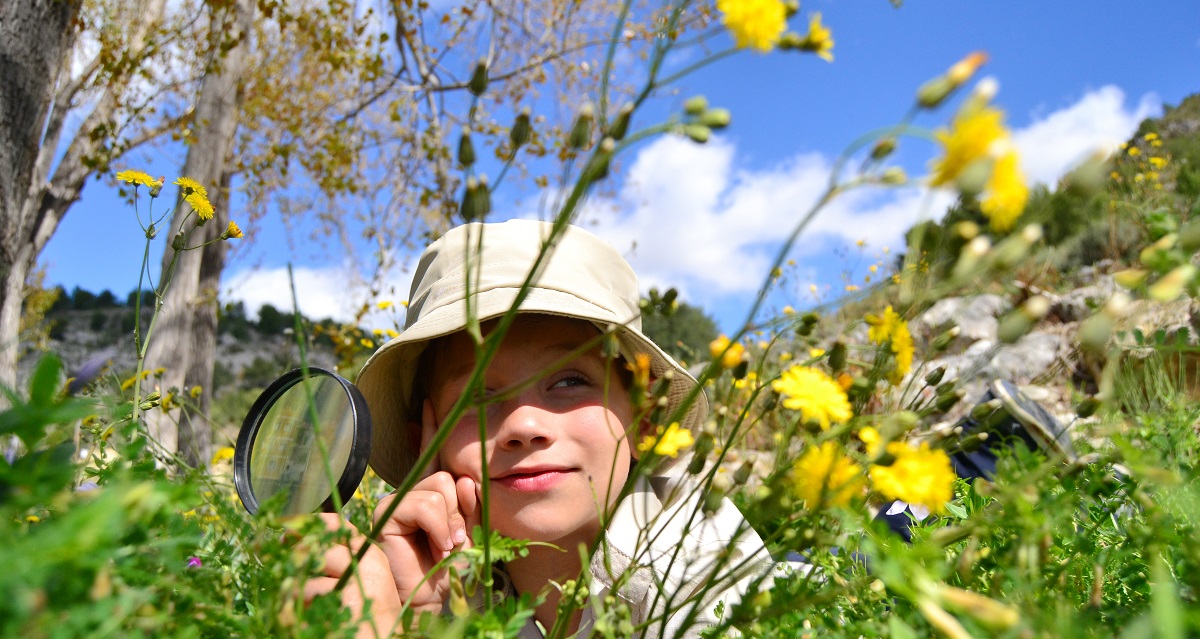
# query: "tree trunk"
185, 336
35, 36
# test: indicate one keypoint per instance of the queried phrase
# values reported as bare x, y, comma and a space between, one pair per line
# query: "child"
561, 442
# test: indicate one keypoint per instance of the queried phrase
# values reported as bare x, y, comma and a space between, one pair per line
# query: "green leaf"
1164, 601
897, 629
44, 382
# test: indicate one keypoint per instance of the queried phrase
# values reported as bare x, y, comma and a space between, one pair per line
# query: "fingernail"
449, 545
460, 536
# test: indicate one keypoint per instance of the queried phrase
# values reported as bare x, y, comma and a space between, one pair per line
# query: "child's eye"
570, 381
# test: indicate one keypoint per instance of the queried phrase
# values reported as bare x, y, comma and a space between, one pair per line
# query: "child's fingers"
468, 504
316, 586
431, 507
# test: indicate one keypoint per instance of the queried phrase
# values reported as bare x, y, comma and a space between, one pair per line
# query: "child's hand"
433, 519
372, 580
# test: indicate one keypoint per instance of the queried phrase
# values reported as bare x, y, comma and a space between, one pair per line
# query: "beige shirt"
667, 560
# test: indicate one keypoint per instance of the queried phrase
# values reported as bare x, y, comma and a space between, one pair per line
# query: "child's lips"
536, 479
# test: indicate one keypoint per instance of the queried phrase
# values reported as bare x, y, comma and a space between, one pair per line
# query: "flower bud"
790, 41
151, 231
1157, 256
598, 166
893, 175
695, 105
883, 148
1087, 407
479, 78
1131, 278
581, 131
947, 401
971, 258
742, 474
1016, 324
620, 126
715, 118
469, 207
1170, 286
837, 356
466, 150
935, 376
1094, 331
1189, 236
974, 176
177, 242
935, 91
945, 339
156, 188
697, 132
519, 134
1091, 175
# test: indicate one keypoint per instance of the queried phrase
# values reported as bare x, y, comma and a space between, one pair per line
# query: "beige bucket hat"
584, 278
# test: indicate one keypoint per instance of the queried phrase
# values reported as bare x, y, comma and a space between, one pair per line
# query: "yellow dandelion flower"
921, 476
874, 268
871, 438
819, 39
1157, 162
756, 24
640, 367
366, 343
196, 391
814, 394
384, 305
860, 243
788, 310
32, 519
850, 288
232, 232
815, 352
785, 357
136, 178
128, 383
200, 204
746, 382
191, 186
1134, 151
824, 475
160, 370
967, 141
225, 453
1156, 143
1150, 137
1006, 193
891, 328
729, 354
669, 442
392, 334
377, 332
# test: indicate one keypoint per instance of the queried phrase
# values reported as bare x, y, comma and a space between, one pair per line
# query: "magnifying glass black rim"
360, 443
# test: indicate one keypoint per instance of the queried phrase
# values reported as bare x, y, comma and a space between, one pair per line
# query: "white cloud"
321, 292
1098, 121
687, 216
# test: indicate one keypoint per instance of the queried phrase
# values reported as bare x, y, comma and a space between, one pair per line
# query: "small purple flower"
194, 562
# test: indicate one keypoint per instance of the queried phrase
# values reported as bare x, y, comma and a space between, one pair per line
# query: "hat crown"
501, 256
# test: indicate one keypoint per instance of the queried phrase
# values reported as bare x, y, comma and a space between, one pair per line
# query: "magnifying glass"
306, 436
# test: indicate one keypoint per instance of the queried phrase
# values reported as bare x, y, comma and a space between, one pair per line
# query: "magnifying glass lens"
287, 456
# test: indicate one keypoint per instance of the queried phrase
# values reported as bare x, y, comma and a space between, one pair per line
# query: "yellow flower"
785, 356
384, 305
1134, 151
1156, 143
137, 177
669, 442
815, 352
366, 343
824, 475
747, 381
392, 334
819, 38
757, 24
921, 476
233, 231
196, 391
32, 519
788, 310
730, 354
200, 204
871, 438
850, 288
1158, 162
640, 367
1150, 137
968, 141
814, 394
1006, 193
191, 186
224, 453
892, 328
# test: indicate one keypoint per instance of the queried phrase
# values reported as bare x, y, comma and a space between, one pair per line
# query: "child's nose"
524, 425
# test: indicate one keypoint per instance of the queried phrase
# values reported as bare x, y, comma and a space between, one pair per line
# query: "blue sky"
1073, 76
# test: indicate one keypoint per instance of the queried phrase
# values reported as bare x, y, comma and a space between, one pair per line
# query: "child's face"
557, 449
